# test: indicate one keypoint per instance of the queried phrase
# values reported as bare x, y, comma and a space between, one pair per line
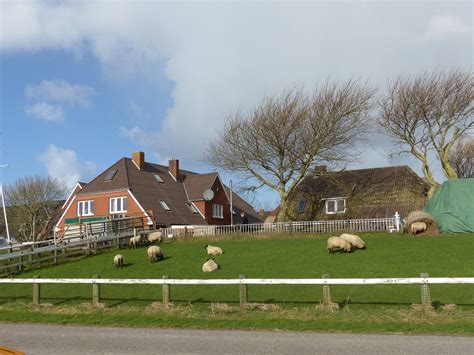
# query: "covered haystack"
421, 216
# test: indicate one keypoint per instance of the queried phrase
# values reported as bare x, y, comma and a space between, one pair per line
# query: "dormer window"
335, 205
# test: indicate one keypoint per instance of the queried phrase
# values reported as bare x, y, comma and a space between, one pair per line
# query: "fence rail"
243, 282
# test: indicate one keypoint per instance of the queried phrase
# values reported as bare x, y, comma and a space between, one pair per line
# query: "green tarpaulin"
452, 206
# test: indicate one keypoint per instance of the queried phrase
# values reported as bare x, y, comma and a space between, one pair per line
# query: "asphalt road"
53, 339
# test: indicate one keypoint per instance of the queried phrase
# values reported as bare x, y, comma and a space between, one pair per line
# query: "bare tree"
462, 158
32, 201
427, 115
285, 136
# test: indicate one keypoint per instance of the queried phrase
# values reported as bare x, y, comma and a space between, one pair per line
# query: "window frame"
158, 178
165, 206
112, 204
303, 202
90, 204
217, 211
335, 200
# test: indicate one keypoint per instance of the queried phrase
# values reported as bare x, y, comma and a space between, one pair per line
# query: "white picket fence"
391, 224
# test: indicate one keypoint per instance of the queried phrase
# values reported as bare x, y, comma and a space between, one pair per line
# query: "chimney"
139, 159
261, 212
320, 169
173, 168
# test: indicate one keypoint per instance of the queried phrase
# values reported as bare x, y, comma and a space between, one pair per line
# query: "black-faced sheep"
355, 240
155, 253
339, 243
418, 227
209, 266
118, 261
154, 237
213, 250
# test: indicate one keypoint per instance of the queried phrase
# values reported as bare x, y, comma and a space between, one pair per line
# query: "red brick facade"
220, 197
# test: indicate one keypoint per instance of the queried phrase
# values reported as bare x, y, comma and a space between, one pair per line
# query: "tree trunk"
448, 170
283, 213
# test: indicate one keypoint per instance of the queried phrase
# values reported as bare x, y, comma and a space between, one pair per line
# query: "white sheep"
336, 242
155, 253
154, 237
213, 250
354, 240
118, 261
209, 266
133, 242
418, 227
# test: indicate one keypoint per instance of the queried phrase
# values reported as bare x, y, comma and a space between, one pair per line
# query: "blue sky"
85, 83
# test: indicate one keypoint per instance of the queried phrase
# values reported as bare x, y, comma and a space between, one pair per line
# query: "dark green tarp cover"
452, 206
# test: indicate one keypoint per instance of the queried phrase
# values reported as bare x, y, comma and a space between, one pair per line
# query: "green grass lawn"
387, 255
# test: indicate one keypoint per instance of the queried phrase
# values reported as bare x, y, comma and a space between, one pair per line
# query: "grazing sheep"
155, 253
133, 242
418, 227
154, 237
213, 250
355, 240
341, 244
209, 266
118, 261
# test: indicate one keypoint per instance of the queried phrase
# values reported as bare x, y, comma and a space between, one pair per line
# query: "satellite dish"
208, 195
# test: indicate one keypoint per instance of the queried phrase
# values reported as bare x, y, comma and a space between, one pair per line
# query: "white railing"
390, 224
243, 282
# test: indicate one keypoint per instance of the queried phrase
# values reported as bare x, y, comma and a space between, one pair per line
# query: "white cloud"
441, 26
64, 165
46, 112
61, 91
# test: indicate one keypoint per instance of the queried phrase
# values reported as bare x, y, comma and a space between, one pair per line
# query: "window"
158, 178
110, 175
118, 205
217, 211
85, 208
301, 205
165, 206
192, 208
335, 205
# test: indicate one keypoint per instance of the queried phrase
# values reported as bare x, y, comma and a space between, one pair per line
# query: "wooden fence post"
56, 254
243, 292
326, 292
166, 292
96, 292
36, 292
425, 294
20, 261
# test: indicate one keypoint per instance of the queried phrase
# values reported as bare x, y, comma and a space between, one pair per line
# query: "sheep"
213, 250
418, 227
154, 237
336, 242
155, 253
354, 240
209, 266
118, 261
133, 242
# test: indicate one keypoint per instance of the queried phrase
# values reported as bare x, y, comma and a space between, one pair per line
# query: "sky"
83, 84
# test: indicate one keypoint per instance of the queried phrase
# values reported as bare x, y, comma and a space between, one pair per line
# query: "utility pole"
231, 206
3, 205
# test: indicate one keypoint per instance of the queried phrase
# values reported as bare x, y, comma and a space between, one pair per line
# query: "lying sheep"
355, 240
155, 253
134, 242
118, 261
418, 227
209, 266
341, 244
154, 237
213, 250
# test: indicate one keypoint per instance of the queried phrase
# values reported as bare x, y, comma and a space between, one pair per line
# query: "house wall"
220, 197
101, 205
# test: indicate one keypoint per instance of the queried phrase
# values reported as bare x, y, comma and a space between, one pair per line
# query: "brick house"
362, 193
165, 195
